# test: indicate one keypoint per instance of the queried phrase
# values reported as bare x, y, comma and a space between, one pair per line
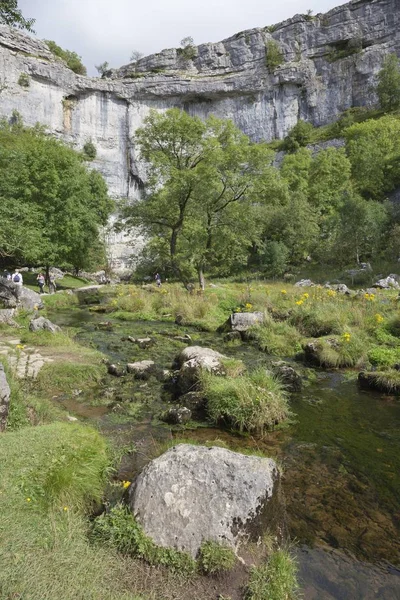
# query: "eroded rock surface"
195, 493
43, 324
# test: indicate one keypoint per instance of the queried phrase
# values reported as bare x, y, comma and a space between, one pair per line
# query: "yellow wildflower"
28, 499
283, 292
126, 484
331, 293
65, 509
379, 318
299, 302
305, 295
248, 305
369, 297
346, 337
20, 346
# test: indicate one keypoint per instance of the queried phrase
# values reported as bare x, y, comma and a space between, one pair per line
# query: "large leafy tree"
201, 191
51, 206
388, 88
11, 15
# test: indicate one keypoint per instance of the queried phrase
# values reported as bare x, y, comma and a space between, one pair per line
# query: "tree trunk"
48, 274
202, 281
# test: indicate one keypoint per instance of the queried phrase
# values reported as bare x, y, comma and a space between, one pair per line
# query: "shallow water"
341, 457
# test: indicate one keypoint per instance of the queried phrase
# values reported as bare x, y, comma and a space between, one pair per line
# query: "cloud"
100, 30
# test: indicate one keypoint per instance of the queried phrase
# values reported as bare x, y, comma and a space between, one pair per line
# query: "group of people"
16, 278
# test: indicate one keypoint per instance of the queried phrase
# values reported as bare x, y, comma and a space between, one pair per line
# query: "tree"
299, 136
187, 41
188, 49
72, 59
51, 206
200, 195
11, 15
388, 88
102, 68
136, 55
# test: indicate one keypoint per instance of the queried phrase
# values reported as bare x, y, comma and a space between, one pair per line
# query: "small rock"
141, 369
177, 416
233, 336
72, 419
115, 370
43, 324
144, 343
304, 283
287, 375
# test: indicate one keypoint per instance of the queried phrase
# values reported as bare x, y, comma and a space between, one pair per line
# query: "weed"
276, 580
273, 55
216, 558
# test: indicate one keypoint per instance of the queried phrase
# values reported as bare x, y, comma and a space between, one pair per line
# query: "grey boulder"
243, 321
43, 324
388, 283
141, 369
192, 361
177, 415
13, 296
193, 494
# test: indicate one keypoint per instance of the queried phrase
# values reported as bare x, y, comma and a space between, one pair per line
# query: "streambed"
341, 455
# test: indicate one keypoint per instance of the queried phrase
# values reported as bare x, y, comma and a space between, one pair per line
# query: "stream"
340, 455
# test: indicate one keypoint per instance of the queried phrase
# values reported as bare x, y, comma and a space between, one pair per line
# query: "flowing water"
341, 455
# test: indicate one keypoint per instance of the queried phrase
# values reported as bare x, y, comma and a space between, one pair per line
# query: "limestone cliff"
329, 63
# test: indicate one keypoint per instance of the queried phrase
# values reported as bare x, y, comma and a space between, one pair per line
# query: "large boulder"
6, 316
192, 361
13, 296
388, 283
243, 321
193, 494
43, 324
5, 393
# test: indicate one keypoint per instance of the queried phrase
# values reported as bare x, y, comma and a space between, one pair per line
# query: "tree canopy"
51, 205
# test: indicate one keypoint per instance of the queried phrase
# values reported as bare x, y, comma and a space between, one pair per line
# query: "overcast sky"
108, 30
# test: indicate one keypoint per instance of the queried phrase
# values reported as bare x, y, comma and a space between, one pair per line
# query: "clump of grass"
393, 326
383, 357
347, 351
389, 381
277, 338
60, 300
319, 320
67, 376
120, 529
252, 402
276, 580
46, 338
216, 558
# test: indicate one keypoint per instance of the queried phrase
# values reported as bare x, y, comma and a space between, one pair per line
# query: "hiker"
52, 283
17, 278
157, 277
41, 281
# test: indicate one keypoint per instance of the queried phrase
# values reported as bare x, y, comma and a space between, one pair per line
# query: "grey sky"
104, 30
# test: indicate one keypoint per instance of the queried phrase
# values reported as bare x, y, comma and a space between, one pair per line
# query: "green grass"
251, 402
46, 338
276, 580
334, 352
216, 558
119, 528
276, 337
50, 477
67, 376
67, 282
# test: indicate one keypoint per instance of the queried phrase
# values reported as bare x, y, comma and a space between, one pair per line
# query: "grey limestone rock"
193, 494
288, 375
141, 369
177, 416
243, 321
388, 283
41, 323
5, 393
192, 361
13, 296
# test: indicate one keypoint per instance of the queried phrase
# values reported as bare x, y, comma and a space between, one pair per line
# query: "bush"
120, 529
299, 136
273, 55
72, 60
90, 150
251, 402
216, 558
274, 258
277, 580
24, 80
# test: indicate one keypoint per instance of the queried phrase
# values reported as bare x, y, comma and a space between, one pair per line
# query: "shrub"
277, 580
383, 357
299, 136
120, 529
388, 88
90, 150
72, 60
24, 80
250, 402
273, 55
216, 558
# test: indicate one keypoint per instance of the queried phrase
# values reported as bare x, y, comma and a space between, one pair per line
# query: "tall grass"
276, 580
252, 402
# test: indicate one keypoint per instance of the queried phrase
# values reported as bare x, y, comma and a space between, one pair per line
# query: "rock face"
5, 393
330, 63
192, 361
193, 494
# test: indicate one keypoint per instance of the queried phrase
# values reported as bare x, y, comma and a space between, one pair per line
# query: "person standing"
41, 281
17, 278
52, 283
157, 277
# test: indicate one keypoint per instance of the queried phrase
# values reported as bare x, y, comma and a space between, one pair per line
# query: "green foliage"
67, 376
119, 528
188, 50
45, 182
90, 150
273, 55
102, 68
383, 357
11, 15
216, 558
24, 80
252, 402
299, 136
345, 49
388, 88
72, 60
278, 338
274, 257
277, 580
